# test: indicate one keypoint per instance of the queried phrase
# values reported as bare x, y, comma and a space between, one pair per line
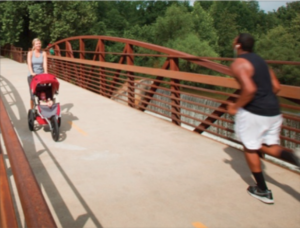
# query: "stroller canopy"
44, 79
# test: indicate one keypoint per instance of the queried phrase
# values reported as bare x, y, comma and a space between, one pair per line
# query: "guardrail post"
175, 94
130, 61
82, 56
101, 48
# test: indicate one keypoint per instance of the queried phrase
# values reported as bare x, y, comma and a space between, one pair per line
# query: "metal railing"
171, 94
15, 53
193, 100
36, 211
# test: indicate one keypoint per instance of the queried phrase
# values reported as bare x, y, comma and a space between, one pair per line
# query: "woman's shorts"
254, 130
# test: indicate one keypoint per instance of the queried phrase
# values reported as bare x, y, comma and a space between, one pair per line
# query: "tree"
288, 13
191, 44
176, 23
57, 20
115, 23
11, 21
203, 25
226, 26
278, 44
150, 10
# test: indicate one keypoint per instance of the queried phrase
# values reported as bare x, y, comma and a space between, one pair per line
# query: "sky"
267, 5
271, 5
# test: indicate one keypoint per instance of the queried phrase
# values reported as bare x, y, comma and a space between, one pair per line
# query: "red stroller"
48, 85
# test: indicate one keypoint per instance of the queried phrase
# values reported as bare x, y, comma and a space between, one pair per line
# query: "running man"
258, 117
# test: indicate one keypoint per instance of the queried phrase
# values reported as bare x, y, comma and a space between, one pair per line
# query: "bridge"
139, 146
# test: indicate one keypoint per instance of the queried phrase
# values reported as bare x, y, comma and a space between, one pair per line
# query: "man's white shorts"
254, 130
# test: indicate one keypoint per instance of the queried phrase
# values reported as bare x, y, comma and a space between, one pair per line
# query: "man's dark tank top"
265, 102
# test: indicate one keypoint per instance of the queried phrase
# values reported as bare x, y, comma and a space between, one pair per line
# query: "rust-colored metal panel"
206, 63
286, 90
130, 78
69, 50
116, 76
175, 94
36, 211
57, 50
204, 124
200, 78
7, 210
101, 48
81, 49
149, 94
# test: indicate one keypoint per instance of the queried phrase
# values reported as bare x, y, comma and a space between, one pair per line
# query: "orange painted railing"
35, 208
167, 91
193, 100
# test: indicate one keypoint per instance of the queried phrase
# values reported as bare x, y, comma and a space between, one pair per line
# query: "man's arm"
275, 82
243, 72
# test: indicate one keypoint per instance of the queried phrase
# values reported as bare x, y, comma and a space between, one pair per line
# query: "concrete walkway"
117, 167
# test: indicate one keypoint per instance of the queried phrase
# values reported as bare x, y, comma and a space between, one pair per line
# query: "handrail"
285, 91
126, 83
112, 80
36, 211
7, 211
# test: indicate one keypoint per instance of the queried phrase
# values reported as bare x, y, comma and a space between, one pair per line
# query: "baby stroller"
43, 114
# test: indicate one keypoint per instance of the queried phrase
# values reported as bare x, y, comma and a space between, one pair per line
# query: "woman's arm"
29, 55
45, 65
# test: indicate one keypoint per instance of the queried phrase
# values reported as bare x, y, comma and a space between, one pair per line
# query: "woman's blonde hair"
35, 40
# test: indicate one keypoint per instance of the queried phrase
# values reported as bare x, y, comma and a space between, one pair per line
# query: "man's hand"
231, 108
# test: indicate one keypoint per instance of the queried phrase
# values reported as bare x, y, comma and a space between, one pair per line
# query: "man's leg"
279, 152
254, 164
260, 191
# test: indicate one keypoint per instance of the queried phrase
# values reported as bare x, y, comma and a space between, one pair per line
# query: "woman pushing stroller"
37, 64
44, 102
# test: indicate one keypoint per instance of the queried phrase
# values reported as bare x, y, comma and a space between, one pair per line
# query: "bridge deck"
117, 167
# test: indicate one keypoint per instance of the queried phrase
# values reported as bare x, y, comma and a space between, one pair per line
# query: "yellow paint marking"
198, 225
77, 128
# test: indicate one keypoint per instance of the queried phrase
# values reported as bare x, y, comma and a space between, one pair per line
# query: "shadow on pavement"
240, 166
11, 98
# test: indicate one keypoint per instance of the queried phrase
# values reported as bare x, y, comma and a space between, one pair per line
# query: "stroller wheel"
31, 119
59, 121
55, 130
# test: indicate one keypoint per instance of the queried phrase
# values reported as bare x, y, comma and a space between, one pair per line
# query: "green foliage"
288, 13
226, 26
176, 23
203, 25
205, 29
278, 44
56, 20
11, 22
193, 45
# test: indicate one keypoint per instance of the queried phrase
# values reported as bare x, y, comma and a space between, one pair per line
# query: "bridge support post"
83, 83
130, 78
175, 94
101, 48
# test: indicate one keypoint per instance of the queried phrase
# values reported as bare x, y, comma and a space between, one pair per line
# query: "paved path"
117, 167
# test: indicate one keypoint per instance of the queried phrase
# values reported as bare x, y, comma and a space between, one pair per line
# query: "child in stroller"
44, 101
46, 109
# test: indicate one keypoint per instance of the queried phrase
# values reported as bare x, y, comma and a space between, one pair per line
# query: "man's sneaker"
264, 196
